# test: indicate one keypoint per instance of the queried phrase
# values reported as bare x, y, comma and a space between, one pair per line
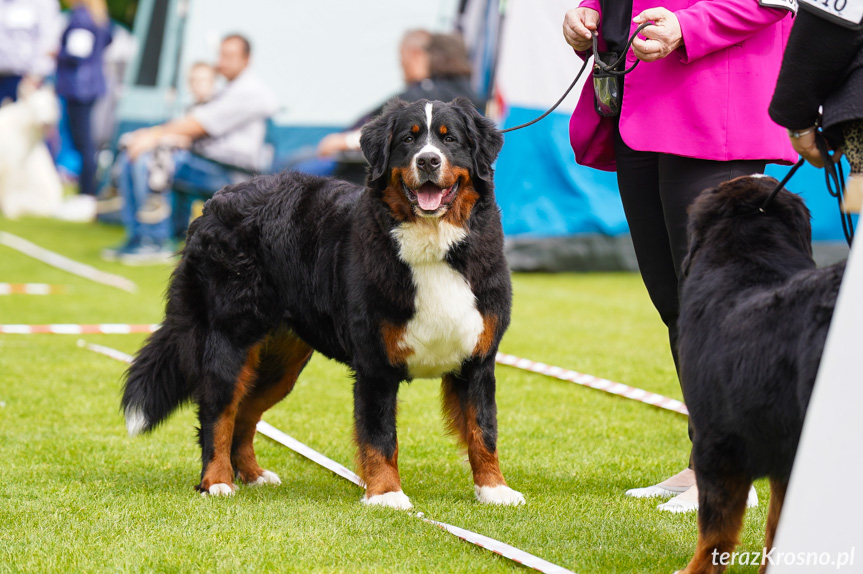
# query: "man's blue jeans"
134, 188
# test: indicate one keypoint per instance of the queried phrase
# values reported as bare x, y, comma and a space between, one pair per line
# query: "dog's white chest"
446, 325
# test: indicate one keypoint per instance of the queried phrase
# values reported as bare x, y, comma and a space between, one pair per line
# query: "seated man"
230, 129
435, 67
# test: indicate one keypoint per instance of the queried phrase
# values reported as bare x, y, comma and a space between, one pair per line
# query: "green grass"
76, 494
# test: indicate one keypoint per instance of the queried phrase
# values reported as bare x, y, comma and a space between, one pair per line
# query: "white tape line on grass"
30, 289
66, 264
74, 329
496, 546
268, 430
584, 380
107, 351
272, 432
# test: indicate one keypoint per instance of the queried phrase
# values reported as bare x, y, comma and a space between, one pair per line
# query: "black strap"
597, 63
612, 68
834, 179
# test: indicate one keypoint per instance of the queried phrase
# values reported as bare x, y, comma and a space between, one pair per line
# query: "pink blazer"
707, 100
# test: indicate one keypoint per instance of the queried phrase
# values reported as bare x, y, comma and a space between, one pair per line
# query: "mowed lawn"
78, 495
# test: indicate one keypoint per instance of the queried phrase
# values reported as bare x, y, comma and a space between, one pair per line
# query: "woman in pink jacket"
693, 114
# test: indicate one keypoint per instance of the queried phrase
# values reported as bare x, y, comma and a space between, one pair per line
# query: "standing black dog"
402, 279
753, 322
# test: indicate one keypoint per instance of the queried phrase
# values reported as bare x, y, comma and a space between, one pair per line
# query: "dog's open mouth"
429, 196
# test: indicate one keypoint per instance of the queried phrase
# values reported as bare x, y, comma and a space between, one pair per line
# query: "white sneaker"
677, 484
688, 501
78, 208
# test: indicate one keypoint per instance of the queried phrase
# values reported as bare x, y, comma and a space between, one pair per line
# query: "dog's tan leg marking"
393, 335
219, 470
720, 517
381, 475
288, 354
486, 338
462, 422
777, 498
489, 484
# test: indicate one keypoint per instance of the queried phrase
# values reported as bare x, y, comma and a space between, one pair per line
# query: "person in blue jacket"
80, 82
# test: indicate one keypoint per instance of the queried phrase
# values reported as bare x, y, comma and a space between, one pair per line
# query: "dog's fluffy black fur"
753, 323
286, 264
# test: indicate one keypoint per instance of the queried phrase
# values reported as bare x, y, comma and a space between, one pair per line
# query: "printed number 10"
838, 5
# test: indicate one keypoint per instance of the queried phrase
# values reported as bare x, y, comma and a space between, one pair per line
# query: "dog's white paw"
501, 494
220, 489
268, 477
398, 500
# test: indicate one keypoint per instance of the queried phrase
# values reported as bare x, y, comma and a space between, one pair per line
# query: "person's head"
98, 9
202, 81
414, 55
234, 56
448, 56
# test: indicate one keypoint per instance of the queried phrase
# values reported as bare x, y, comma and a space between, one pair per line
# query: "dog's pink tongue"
429, 196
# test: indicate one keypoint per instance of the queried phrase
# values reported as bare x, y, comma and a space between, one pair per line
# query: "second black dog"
753, 322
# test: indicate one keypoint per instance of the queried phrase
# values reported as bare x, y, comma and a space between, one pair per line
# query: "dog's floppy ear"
377, 138
799, 222
485, 139
694, 246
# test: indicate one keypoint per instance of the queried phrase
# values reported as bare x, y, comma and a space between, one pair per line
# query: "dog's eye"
408, 139
449, 139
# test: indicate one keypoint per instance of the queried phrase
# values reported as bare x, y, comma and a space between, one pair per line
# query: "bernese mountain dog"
402, 279
753, 323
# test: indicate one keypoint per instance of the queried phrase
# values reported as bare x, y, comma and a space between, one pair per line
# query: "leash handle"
598, 63
612, 68
834, 179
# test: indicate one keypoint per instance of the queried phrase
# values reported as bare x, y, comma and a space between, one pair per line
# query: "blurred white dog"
29, 182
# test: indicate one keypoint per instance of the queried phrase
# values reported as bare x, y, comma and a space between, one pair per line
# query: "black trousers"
79, 114
656, 190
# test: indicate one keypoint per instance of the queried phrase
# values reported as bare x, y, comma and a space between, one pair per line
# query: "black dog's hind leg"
471, 412
229, 373
777, 499
282, 357
377, 443
721, 506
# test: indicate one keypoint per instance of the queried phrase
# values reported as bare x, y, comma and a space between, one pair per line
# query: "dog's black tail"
155, 384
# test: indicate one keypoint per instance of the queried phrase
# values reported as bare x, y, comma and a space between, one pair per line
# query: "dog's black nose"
428, 162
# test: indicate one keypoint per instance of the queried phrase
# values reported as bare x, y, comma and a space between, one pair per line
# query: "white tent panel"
536, 64
328, 62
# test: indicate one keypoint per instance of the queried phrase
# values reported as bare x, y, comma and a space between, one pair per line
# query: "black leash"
554, 107
834, 178
610, 69
778, 188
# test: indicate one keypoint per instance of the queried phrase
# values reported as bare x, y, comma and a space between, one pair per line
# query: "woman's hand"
804, 144
663, 37
579, 26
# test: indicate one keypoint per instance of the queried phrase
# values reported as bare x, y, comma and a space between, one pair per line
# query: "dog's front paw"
220, 489
267, 477
501, 494
398, 500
